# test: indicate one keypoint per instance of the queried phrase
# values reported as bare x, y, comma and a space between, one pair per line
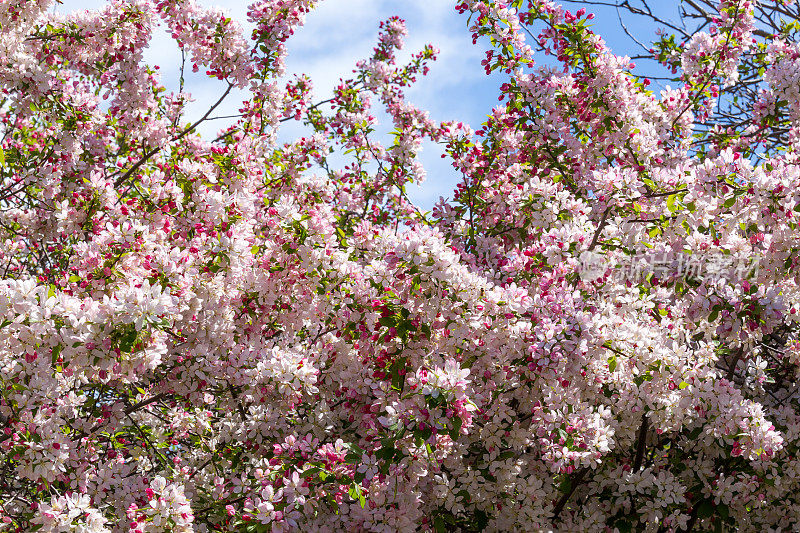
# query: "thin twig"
184, 133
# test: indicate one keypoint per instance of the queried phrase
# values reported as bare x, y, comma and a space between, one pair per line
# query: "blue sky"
340, 32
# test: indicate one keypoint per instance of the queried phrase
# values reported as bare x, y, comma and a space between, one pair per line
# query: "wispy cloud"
340, 32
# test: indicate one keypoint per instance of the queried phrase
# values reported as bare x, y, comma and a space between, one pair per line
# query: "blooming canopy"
597, 333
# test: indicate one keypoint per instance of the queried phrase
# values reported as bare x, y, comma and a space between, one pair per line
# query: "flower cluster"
239, 335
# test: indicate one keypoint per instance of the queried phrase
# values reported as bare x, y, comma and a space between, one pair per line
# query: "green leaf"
624, 526
128, 340
356, 494
671, 203
723, 511
455, 430
398, 379
682, 385
386, 453
508, 454
612, 363
55, 352
424, 434
705, 509
695, 433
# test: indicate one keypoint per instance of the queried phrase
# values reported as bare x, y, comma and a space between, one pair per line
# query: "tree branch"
641, 444
183, 134
576, 479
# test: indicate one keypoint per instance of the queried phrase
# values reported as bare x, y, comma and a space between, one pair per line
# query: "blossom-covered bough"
598, 333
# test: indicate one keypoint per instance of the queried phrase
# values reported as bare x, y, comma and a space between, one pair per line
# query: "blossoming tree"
596, 333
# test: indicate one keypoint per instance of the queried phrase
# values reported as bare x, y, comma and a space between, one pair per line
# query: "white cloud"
340, 32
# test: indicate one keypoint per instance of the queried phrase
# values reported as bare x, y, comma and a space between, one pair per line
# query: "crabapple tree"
596, 333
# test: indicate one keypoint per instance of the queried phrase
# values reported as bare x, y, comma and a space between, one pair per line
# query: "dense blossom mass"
597, 333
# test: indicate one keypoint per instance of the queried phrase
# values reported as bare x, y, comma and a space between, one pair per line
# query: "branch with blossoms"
597, 332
